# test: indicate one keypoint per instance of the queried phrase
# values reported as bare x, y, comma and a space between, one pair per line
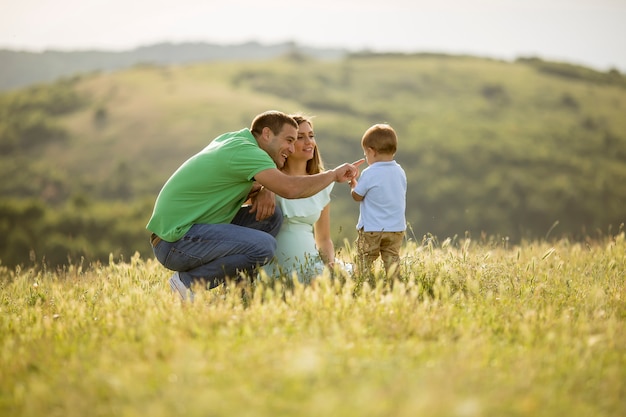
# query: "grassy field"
470, 329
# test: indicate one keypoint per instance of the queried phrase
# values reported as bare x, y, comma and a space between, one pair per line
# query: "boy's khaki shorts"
387, 245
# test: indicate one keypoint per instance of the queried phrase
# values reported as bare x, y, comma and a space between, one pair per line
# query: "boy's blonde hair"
382, 138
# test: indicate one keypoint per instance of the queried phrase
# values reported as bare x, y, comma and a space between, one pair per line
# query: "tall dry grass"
469, 329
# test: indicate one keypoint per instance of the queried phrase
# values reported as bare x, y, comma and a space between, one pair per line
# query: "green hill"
23, 68
497, 150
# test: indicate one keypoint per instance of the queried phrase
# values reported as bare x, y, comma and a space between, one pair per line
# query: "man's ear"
266, 134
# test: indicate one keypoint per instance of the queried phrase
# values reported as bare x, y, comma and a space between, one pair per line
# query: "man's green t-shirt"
210, 187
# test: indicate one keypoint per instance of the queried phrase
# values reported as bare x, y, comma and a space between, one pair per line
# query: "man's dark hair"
273, 119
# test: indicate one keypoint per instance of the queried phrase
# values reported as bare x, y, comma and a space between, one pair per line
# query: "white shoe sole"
177, 286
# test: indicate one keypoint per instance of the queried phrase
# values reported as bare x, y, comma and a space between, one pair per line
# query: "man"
200, 228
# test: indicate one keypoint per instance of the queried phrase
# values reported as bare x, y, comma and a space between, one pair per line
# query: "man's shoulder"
239, 136
235, 143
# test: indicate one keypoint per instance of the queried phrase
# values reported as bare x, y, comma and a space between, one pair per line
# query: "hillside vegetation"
23, 68
495, 150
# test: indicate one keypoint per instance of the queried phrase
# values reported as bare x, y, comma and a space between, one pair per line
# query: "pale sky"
586, 32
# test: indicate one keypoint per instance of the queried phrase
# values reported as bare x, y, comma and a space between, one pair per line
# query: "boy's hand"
357, 164
353, 181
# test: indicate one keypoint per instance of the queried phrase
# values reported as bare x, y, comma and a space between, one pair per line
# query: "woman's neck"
295, 168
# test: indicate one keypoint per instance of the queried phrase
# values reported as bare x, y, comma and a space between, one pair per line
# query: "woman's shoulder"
302, 207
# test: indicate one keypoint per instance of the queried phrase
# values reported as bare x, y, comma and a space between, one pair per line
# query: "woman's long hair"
315, 164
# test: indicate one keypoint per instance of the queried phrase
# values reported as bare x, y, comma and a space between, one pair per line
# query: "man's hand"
347, 172
263, 203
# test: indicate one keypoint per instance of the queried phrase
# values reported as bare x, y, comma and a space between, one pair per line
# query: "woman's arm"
323, 240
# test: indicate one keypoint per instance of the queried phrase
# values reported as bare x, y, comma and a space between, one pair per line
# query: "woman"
304, 244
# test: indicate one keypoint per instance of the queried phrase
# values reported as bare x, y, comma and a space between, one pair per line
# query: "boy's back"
383, 187
381, 192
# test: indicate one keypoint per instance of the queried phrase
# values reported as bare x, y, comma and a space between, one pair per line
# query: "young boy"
381, 191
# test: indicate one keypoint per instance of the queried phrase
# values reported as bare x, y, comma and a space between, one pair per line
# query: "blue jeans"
209, 253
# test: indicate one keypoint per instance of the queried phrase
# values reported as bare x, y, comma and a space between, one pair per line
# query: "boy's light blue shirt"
383, 187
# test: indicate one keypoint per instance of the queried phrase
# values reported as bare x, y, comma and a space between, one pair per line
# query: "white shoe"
177, 286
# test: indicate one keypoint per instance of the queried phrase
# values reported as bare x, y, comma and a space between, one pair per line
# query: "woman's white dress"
296, 250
